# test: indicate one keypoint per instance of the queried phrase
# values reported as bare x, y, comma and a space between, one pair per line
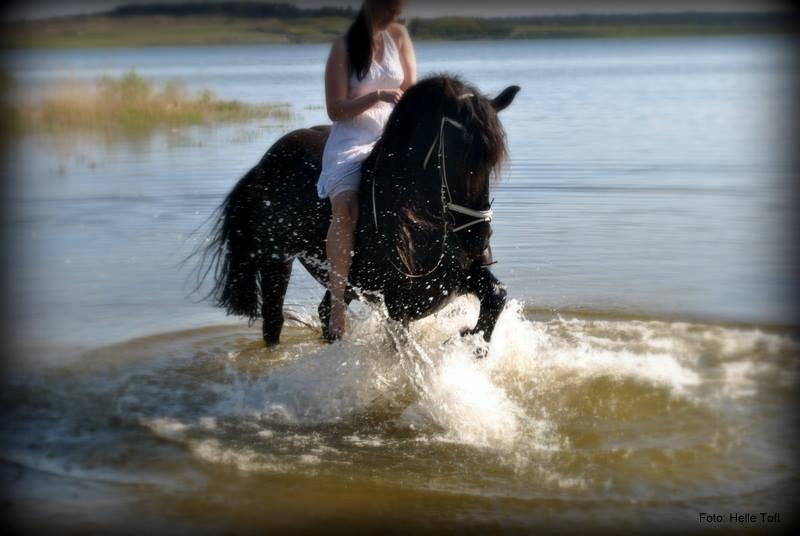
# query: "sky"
34, 9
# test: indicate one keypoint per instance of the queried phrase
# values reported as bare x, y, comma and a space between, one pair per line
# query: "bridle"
478, 216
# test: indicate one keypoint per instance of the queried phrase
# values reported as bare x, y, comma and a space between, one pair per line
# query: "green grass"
108, 32
132, 105
464, 28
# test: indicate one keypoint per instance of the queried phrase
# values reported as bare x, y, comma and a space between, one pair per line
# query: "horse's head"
443, 146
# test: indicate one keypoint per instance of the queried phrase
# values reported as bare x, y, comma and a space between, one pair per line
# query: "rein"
479, 216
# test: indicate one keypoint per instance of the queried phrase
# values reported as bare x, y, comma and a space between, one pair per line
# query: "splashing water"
566, 409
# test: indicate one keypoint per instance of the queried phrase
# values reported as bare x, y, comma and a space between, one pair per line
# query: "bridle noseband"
479, 216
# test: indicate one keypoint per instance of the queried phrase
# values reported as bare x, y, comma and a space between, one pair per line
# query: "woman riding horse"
424, 210
367, 72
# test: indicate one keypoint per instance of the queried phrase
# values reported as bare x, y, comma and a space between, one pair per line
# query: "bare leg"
324, 311
339, 249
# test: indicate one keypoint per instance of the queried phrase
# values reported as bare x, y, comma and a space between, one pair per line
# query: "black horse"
424, 212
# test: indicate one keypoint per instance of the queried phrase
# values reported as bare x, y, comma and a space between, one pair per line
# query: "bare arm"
407, 56
339, 106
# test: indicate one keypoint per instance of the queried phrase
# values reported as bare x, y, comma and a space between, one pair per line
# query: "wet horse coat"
421, 237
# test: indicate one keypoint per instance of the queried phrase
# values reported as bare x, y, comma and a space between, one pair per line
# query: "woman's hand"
391, 96
340, 107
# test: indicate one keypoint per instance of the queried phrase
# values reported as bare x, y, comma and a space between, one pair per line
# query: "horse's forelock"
486, 151
433, 96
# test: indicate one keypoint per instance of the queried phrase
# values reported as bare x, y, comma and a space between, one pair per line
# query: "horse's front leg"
492, 296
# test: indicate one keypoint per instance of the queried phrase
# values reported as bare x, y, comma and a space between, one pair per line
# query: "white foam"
461, 398
244, 459
164, 428
320, 388
429, 381
371, 441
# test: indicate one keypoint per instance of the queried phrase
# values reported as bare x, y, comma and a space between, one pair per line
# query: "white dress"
351, 141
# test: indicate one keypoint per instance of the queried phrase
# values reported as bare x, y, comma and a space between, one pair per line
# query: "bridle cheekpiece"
478, 216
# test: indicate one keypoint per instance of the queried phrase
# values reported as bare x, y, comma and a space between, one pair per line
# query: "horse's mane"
400, 150
427, 100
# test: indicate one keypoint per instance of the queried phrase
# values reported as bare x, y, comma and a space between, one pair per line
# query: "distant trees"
473, 27
460, 28
230, 9
592, 24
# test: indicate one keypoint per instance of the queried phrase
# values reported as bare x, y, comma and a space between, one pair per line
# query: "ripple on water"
644, 410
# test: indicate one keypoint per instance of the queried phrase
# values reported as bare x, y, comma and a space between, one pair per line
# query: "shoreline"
156, 46
159, 30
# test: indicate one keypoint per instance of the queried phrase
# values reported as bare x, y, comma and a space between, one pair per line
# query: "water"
642, 373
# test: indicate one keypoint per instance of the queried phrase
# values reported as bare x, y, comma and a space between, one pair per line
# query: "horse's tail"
232, 251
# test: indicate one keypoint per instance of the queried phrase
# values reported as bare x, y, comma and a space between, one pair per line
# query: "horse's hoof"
468, 331
480, 351
331, 338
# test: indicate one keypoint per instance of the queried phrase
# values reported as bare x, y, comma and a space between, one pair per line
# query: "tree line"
230, 9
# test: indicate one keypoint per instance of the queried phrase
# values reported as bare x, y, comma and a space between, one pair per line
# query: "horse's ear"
504, 99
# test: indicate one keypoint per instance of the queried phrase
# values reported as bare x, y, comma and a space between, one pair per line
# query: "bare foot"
336, 321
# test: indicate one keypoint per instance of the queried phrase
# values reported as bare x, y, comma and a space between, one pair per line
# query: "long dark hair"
359, 45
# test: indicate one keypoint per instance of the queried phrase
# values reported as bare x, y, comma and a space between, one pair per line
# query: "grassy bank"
149, 28
586, 26
108, 32
131, 105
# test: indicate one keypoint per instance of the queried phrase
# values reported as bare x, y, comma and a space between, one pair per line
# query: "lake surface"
641, 374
